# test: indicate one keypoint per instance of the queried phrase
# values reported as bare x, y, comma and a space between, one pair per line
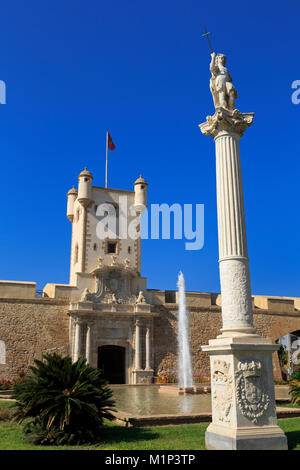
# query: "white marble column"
233, 257
77, 342
148, 347
243, 400
88, 345
138, 361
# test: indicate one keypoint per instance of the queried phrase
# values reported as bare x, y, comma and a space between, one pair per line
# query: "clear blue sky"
76, 68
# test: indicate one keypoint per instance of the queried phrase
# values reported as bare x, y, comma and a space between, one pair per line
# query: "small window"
86, 179
95, 246
129, 250
111, 247
96, 207
170, 296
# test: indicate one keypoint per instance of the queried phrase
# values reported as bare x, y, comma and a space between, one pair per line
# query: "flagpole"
106, 166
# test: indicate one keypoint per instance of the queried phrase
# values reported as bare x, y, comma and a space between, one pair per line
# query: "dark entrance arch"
111, 360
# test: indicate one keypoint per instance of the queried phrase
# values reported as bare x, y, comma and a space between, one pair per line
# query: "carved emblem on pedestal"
252, 400
222, 390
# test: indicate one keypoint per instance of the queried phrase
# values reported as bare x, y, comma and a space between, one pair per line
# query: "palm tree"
295, 387
63, 402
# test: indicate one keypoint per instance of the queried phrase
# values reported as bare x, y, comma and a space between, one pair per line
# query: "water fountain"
184, 369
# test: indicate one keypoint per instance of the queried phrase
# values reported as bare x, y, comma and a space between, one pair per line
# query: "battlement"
27, 290
17, 290
207, 300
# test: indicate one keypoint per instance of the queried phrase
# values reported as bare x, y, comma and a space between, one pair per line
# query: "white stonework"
222, 390
243, 400
109, 304
2, 352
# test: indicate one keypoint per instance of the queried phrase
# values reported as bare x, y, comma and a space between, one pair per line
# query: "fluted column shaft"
226, 127
148, 348
77, 341
233, 257
138, 362
88, 346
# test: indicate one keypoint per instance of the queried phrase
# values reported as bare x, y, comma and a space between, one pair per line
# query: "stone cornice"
226, 121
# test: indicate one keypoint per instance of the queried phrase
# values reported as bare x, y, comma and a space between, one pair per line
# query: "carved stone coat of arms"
253, 401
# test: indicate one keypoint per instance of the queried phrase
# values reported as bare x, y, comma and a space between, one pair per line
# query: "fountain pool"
144, 405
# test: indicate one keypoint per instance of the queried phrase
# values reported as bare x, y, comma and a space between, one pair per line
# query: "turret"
85, 187
71, 195
140, 197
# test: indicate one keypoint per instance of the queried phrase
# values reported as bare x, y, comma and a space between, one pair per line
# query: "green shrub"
295, 388
61, 402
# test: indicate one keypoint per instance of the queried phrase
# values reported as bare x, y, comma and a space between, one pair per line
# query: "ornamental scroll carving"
253, 401
222, 390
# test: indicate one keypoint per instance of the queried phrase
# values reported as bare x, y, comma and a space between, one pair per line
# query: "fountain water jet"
184, 369
185, 378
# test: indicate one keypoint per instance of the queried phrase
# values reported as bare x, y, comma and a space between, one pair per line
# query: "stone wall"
279, 317
29, 329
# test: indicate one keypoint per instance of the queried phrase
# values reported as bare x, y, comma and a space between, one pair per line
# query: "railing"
39, 293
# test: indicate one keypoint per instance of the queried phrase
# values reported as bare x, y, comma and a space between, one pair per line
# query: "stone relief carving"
111, 288
114, 260
236, 297
86, 295
296, 357
222, 390
221, 86
127, 263
251, 398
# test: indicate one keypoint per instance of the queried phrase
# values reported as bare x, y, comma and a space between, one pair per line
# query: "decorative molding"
228, 121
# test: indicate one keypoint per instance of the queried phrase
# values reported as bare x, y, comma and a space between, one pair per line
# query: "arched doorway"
289, 353
111, 360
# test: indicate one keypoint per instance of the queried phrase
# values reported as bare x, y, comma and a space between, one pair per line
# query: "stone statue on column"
243, 399
221, 86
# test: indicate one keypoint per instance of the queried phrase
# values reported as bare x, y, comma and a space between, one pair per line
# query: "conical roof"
140, 180
85, 172
72, 191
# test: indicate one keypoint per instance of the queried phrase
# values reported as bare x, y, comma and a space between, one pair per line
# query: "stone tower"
110, 317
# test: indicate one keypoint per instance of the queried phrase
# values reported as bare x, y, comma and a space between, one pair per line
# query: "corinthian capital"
228, 121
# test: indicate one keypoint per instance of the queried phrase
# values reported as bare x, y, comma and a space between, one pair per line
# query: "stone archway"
111, 360
290, 349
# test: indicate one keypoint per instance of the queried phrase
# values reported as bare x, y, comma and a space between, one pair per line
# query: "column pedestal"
243, 399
